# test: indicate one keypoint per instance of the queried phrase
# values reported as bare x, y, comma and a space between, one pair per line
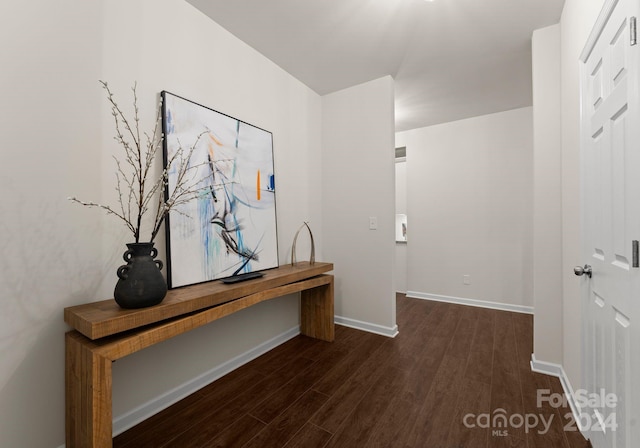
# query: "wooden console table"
104, 332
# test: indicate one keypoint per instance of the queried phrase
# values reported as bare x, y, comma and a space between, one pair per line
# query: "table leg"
316, 312
88, 382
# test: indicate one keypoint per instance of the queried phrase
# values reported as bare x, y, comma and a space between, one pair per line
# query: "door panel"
611, 212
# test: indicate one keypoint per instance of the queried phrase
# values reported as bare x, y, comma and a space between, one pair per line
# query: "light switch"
373, 223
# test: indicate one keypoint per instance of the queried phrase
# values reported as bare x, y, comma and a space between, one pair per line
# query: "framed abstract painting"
229, 227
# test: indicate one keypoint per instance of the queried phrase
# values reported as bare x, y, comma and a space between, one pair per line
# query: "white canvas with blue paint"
230, 228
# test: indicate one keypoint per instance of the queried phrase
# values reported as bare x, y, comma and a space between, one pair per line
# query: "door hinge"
633, 31
635, 254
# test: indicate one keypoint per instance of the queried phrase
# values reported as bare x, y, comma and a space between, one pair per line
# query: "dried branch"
136, 190
108, 209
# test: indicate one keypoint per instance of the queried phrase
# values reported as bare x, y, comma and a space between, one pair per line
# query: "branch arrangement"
137, 192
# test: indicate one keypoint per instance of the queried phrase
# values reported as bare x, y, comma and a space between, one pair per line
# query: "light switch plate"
373, 223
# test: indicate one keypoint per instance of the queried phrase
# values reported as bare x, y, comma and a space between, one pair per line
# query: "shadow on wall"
48, 262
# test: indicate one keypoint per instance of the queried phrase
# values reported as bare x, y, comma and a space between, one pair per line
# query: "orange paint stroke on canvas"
213, 137
258, 186
210, 145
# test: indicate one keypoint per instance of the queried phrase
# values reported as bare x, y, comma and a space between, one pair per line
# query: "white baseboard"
143, 412
549, 368
471, 302
128, 420
390, 332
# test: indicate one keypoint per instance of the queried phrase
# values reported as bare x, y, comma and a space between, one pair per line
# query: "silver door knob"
586, 270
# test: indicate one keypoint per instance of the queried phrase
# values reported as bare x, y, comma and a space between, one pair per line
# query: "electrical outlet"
373, 223
466, 279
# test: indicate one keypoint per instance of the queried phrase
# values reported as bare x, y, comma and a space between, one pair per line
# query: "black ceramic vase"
140, 283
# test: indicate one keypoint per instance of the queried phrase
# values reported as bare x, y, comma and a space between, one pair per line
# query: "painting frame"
230, 227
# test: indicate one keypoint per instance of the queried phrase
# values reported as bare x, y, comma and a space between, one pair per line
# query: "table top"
105, 318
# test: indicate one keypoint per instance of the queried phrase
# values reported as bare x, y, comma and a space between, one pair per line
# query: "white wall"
57, 142
547, 201
401, 208
358, 180
578, 18
51, 133
470, 208
199, 60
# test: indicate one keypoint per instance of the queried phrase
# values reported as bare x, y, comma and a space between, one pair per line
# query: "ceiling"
451, 59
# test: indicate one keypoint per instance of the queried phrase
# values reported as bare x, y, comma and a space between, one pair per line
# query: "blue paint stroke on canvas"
231, 226
272, 183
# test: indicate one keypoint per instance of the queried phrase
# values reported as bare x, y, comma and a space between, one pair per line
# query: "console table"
104, 332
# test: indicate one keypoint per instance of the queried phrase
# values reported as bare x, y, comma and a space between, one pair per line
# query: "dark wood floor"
366, 390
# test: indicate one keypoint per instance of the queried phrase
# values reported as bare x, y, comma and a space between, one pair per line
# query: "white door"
610, 162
